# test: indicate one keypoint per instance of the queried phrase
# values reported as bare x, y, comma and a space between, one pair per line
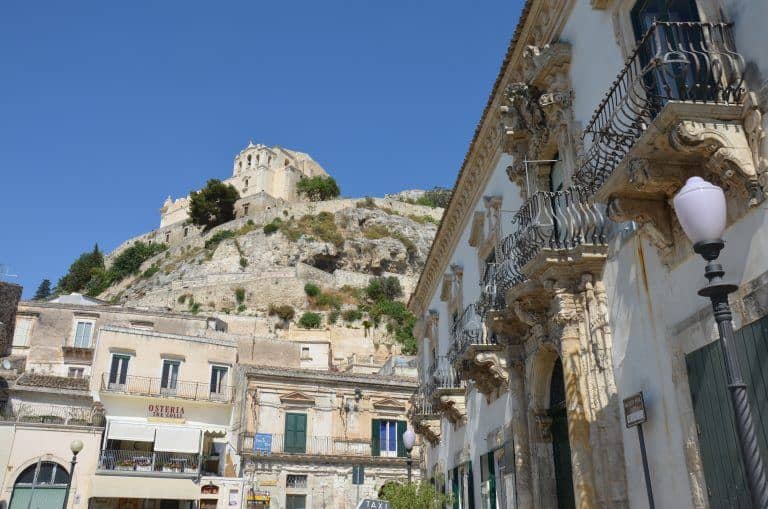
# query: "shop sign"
268, 482
634, 410
166, 411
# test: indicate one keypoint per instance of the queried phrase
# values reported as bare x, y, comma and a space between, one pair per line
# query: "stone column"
566, 318
520, 435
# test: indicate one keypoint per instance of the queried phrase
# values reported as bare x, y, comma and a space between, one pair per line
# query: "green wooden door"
718, 441
295, 502
455, 486
296, 433
561, 447
37, 498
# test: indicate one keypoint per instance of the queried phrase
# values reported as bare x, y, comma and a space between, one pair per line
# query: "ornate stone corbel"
724, 149
655, 215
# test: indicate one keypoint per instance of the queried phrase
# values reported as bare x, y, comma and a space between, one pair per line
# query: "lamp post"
409, 439
700, 208
75, 446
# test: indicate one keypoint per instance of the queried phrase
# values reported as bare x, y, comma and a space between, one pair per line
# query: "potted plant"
124, 464
172, 466
143, 464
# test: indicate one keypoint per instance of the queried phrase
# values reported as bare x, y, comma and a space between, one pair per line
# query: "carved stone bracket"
655, 214
486, 365
429, 428
451, 403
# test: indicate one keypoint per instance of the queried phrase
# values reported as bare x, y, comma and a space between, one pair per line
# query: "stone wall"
9, 299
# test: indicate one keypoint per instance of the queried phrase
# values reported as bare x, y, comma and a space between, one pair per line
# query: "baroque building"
265, 177
560, 283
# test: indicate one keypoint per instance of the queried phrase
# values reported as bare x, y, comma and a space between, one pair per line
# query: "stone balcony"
424, 417
678, 108
448, 391
475, 353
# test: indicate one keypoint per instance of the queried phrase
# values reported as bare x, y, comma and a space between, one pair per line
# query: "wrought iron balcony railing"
153, 387
422, 406
490, 298
559, 220
674, 61
149, 462
446, 376
264, 444
468, 330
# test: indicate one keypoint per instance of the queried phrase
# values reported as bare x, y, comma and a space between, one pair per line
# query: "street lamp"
75, 446
409, 439
700, 208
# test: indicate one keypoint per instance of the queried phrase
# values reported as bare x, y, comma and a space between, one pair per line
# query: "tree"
81, 271
213, 205
413, 496
384, 288
43, 291
318, 188
310, 321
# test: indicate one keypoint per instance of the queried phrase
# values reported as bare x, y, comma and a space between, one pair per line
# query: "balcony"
447, 390
148, 463
425, 418
270, 447
476, 354
678, 108
152, 387
551, 231
51, 414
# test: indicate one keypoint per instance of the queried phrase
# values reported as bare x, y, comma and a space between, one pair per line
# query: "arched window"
249, 159
41, 485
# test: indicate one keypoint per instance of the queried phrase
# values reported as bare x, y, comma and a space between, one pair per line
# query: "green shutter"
456, 493
470, 486
295, 433
401, 427
491, 480
375, 445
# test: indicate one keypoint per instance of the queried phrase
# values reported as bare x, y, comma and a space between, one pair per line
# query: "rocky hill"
259, 266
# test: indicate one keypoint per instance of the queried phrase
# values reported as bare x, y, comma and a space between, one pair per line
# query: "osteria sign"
165, 411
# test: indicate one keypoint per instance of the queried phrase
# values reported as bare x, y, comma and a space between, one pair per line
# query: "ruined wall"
9, 298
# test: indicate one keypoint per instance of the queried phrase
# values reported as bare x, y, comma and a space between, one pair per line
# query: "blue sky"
107, 107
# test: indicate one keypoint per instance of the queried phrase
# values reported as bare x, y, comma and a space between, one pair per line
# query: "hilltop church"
264, 176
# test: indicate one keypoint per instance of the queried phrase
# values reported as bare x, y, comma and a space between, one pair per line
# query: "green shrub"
243, 262
376, 231
328, 300
213, 205
81, 271
240, 295
284, 312
333, 316
241, 308
318, 188
311, 289
217, 237
310, 320
414, 496
410, 247
380, 288
182, 298
367, 203
352, 315
194, 308
151, 271
272, 227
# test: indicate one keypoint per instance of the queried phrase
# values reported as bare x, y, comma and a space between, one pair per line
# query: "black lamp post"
700, 208
409, 439
76, 446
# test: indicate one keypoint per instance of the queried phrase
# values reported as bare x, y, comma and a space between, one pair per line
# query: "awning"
114, 486
177, 439
121, 430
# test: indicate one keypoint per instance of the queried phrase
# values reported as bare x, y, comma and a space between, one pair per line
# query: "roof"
53, 382
405, 383
77, 299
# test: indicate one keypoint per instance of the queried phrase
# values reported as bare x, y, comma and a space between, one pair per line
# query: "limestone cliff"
247, 265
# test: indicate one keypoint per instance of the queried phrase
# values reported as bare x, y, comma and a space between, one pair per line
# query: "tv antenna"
5, 273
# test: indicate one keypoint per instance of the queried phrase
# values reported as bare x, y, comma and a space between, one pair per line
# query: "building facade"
265, 177
560, 282
303, 432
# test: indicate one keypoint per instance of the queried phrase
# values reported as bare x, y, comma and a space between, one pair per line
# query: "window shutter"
456, 493
491, 480
470, 486
401, 427
288, 437
301, 433
113, 369
124, 370
375, 446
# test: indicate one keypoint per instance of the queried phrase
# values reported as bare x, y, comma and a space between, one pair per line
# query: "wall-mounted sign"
373, 504
262, 443
166, 411
209, 489
634, 410
268, 482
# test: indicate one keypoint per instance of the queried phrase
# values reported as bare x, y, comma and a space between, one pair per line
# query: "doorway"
561, 447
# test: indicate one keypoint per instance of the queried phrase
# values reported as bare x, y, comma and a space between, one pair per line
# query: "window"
118, 370
246, 182
305, 352
387, 438
295, 481
245, 209
83, 330
218, 379
76, 372
249, 160
40, 485
170, 376
295, 502
186, 231
488, 494
167, 237
295, 433
21, 332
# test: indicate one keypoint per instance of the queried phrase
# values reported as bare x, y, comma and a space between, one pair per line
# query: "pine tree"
43, 291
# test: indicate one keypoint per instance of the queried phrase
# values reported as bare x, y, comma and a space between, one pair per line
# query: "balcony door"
561, 447
170, 376
118, 371
295, 433
668, 54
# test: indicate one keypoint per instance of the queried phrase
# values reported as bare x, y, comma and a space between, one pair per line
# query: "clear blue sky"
108, 107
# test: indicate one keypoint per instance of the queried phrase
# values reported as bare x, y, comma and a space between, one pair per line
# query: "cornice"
539, 21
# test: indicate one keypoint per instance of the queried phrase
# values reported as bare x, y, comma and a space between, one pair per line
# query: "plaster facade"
560, 282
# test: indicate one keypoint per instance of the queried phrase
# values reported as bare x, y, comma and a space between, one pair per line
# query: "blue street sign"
262, 443
358, 475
